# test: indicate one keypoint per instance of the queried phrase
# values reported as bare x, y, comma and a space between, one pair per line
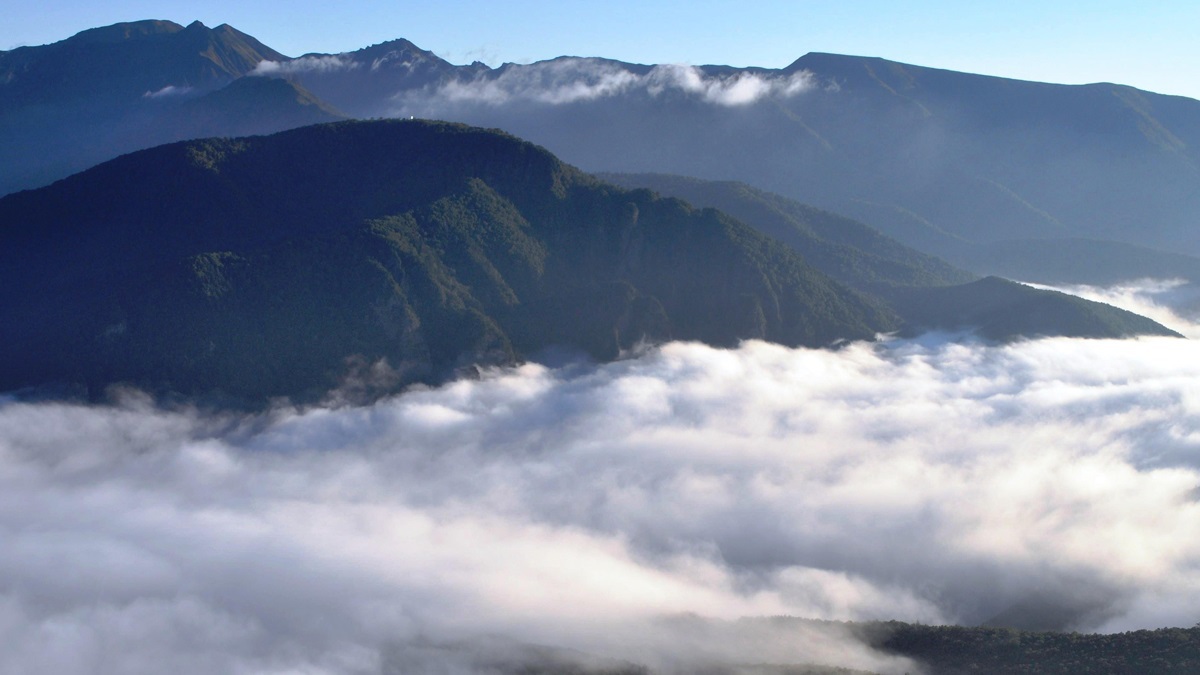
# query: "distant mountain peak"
122, 32
397, 43
398, 52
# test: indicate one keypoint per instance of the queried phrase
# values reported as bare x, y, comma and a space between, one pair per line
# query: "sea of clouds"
627, 512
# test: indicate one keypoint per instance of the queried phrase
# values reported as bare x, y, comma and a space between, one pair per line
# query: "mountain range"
387, 253
257, 267
1099, 181
401, 251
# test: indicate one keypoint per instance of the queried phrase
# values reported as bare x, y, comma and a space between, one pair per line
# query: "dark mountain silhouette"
935, 158
276, 265
999, 309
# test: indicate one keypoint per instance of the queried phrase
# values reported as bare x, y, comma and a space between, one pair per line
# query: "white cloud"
584, 508
570, 80
739, 89
1174, 303
305, 64
168, 91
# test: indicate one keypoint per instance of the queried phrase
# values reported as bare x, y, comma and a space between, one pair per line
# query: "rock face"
398, 250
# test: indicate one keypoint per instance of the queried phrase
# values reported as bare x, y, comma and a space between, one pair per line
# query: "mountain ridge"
927, 292
428, 245
793, 137
931, 156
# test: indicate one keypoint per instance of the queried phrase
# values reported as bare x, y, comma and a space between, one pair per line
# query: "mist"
1175, 303
304, 64
608, 515
572, 80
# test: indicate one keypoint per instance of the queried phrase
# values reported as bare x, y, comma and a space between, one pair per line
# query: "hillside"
107, 91
273, 266
953, 650
999, 309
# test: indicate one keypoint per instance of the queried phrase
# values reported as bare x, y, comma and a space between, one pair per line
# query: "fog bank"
607, 509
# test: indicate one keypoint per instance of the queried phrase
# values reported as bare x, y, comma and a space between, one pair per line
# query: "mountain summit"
106, 91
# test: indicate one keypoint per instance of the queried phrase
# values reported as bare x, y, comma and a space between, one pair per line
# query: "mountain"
363, 82
953, 164
378, 253
951, 650
126, 61
107, 91
1076, 261
852, 252
935, 158
999, 309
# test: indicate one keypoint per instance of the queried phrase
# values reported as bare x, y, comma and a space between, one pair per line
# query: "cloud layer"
325, 63
596, 508
570, 80
1175, 303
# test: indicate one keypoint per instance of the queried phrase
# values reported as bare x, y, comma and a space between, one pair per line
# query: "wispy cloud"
740, 89
1175, 303
571, 80
168, 91
305, 64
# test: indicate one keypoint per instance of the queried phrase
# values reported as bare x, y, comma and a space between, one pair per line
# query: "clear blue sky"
1151, 44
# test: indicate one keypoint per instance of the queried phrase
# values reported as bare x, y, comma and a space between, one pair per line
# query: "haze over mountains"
429, 245
277, 266
968, 167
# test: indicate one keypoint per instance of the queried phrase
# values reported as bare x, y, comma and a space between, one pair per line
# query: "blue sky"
1151, 45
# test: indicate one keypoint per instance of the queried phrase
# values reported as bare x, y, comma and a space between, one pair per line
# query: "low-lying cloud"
323, 63
571, 80
624, 513
168, 91
1175, 303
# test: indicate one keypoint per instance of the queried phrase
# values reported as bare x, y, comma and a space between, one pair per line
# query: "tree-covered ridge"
927, 292
270, 266
999, 309
850, 251
126, 61
955, 650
